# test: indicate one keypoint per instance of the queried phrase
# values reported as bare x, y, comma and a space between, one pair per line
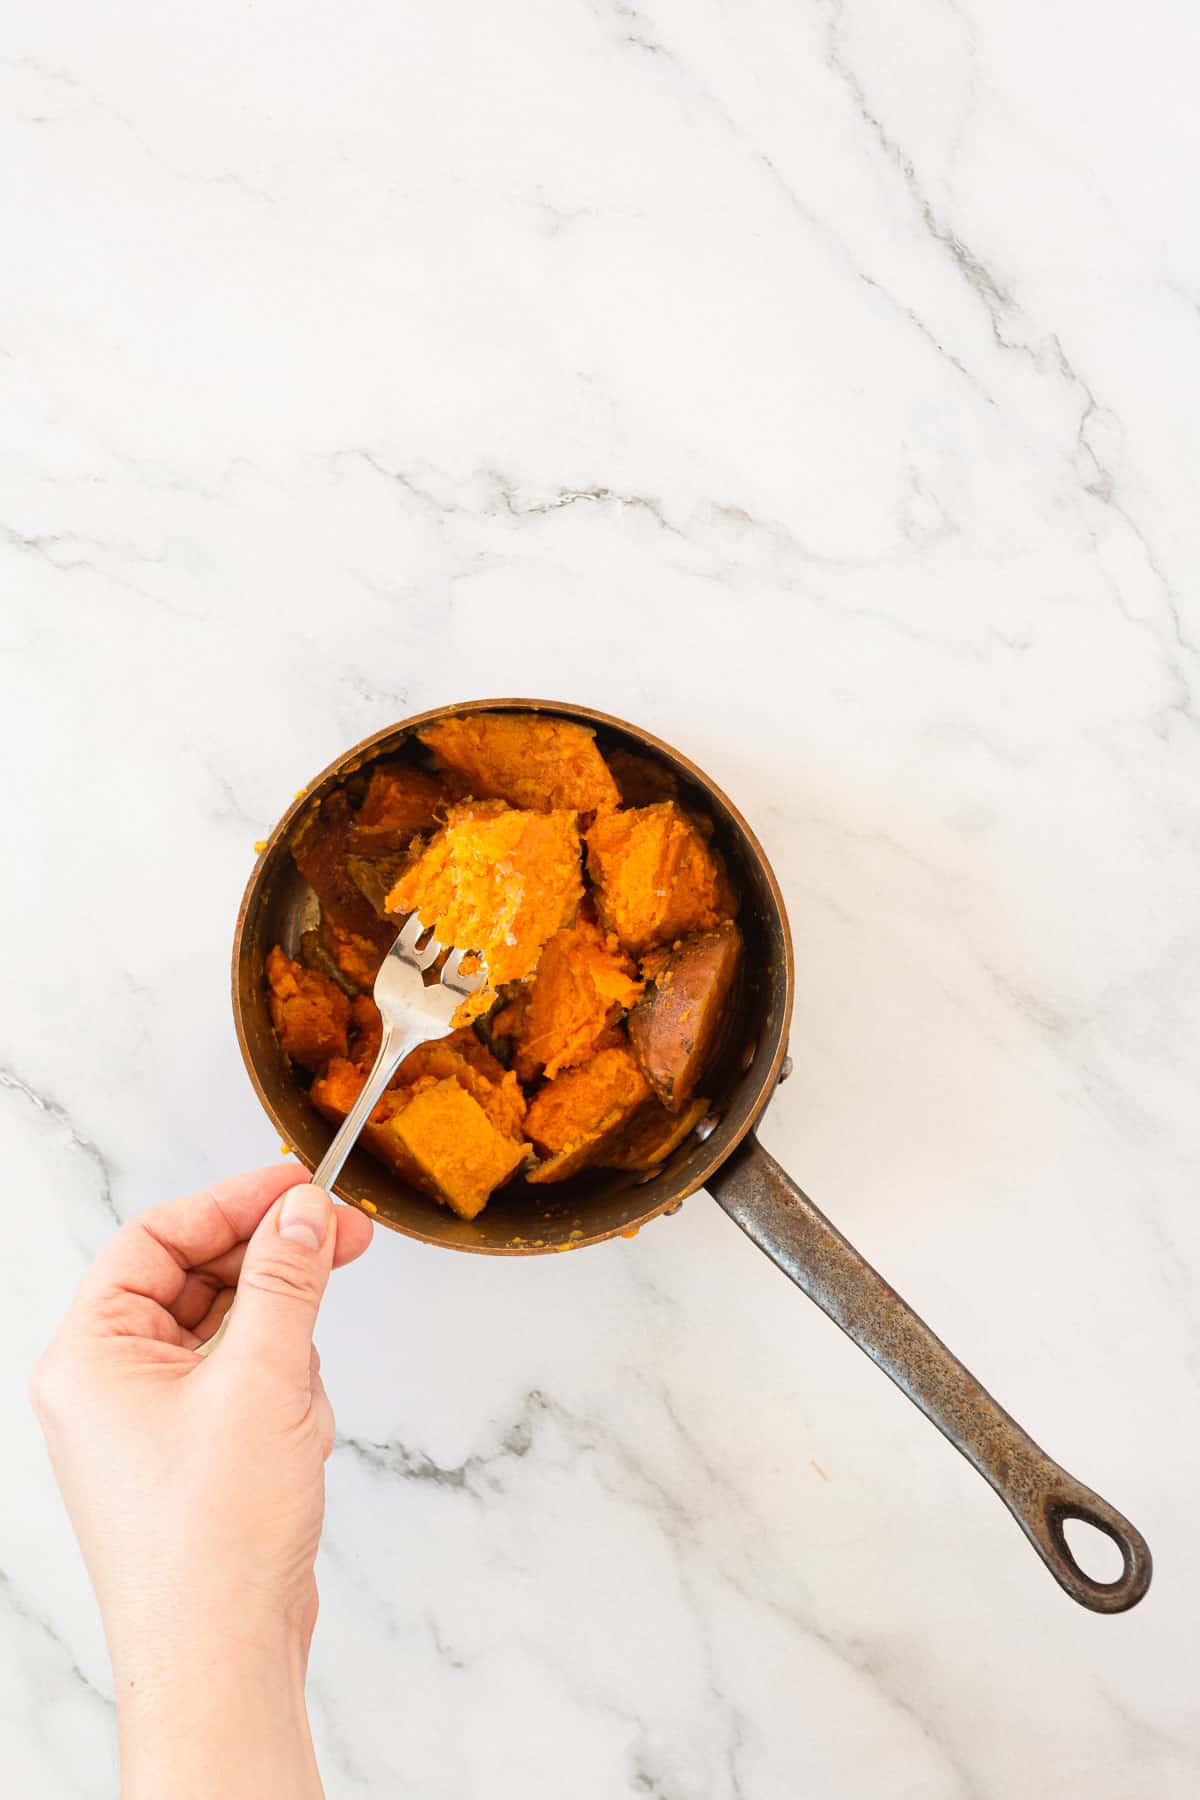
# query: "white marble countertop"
817, 386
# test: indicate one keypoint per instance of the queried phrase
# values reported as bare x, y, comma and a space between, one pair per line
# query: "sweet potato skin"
651, 1135
674, 1030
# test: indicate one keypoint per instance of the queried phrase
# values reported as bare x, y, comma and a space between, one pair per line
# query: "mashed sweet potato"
572, 1056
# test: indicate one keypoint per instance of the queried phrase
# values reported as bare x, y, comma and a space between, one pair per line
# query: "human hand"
196, 1484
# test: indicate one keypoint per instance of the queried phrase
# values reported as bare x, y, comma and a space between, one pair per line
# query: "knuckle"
277, 1274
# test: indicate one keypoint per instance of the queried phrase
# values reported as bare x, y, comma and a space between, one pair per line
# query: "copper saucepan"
724, 1156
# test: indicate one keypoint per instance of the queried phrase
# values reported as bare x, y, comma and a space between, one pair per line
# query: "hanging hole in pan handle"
1075, 1502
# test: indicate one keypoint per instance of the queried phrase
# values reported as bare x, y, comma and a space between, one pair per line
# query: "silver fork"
413, 1010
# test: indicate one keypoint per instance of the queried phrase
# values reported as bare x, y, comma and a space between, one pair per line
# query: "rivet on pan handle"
760, 1197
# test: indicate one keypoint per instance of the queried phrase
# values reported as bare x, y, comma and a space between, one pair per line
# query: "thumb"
283, 1279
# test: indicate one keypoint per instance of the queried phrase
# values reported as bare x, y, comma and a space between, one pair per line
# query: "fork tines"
411, 933
420, 947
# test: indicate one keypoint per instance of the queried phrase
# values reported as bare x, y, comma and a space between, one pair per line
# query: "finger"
197, 1296
208, 1326
203, 1287
323, 1417
354, 1234
284, 1275
152, 1254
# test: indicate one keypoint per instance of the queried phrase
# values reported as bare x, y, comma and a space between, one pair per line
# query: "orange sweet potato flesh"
399, 802
450, 1147
459, 1147
459, 1057
337, 1087
656, 878
583, 981
453, 1149
534, 762
574, 1116
652, 1134
310, 1013
499, 881
674, 1030
366, 1031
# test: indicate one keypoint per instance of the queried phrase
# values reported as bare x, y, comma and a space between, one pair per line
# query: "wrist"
222, 1713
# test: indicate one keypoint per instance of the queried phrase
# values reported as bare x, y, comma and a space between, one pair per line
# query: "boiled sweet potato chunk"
356, 954
350, 931
675, 1028
399, 802
583, 982
338, 1086
310, 1013
366, 1031
453, 1148
575, 1115
498, 881
656, 878
641, 780
539, 763
375, 877
462, 1058
651, 1135
334, 1093
459, 1057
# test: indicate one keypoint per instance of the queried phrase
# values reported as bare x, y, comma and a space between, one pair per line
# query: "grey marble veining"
815, 385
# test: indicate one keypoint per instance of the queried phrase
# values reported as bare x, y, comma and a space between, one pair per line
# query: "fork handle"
394, 1046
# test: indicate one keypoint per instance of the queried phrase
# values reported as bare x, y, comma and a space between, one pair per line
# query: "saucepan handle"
762, 1198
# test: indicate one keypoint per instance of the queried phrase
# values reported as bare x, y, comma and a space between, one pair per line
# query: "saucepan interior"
519, 1219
